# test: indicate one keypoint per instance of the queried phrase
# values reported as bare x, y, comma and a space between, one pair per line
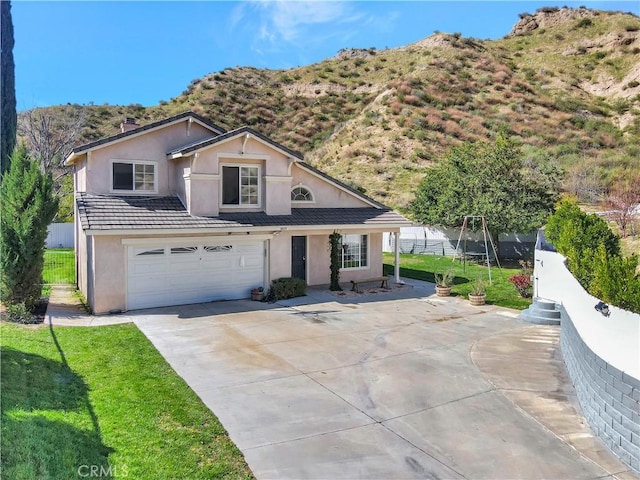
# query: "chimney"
128, 125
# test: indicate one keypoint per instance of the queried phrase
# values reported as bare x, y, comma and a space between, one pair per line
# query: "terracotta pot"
443, 291
477, 300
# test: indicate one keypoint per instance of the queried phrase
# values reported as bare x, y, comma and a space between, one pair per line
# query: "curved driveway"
393, 385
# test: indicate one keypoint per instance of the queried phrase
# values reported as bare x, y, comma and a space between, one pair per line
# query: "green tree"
8, 115
615, 280
490, 179
594, 256
569, 227
28, 206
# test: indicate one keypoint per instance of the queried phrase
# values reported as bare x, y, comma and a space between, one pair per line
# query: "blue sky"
144, 52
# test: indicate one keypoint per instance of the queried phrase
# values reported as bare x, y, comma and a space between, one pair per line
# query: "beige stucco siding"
81, 260
279, 257
151, 146
206, 177
325, 194
110, 278
80, 175
318, 261
180, 168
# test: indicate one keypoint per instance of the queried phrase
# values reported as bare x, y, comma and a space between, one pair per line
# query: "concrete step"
541, 312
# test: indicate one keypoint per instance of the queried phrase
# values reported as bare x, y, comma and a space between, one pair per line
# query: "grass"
59, 266
73, 398
423, 267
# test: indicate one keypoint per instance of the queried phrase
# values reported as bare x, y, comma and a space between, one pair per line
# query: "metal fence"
59, 266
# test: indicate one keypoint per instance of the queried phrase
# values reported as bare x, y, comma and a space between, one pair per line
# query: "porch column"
396, 250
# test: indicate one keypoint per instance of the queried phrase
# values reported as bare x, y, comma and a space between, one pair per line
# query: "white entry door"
191, 273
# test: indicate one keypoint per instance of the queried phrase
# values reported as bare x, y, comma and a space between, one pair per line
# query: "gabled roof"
341, 185
110, 214
238, 132
151, 126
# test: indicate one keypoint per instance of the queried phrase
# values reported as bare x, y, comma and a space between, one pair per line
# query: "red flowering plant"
522, 281
522, 284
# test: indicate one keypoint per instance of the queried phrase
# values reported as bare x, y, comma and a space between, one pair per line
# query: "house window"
240, 185
355, 251
134, 177
301, 194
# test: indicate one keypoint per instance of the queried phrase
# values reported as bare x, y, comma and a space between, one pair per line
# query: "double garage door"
191, 273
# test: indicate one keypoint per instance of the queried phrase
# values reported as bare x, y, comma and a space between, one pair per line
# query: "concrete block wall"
610, 398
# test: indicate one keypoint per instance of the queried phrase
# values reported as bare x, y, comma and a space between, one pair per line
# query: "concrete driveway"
397, 385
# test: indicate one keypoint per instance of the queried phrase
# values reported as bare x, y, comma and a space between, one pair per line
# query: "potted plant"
443, 283
478, 293
257, 294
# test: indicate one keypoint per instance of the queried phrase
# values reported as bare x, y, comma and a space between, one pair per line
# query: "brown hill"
564, 82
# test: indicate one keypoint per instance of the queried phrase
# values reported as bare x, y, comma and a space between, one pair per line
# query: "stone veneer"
610, 398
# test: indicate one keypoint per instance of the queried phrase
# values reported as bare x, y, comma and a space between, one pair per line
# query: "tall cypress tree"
8, 114
28, 207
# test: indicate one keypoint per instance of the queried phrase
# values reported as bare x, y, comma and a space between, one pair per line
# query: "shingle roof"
186, 149
97, 143
105, 212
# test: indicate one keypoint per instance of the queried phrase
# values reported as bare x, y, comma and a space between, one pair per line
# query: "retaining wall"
602, 355
609, 397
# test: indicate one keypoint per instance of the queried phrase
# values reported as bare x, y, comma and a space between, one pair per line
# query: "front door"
299, 257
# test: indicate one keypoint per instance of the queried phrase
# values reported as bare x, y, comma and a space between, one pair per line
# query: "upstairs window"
133, 176
301, 194
240, 185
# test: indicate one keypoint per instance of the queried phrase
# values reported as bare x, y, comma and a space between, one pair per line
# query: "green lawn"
73, 398
422, 267
59, 266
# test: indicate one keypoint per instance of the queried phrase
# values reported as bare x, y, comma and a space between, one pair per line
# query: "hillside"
565, 82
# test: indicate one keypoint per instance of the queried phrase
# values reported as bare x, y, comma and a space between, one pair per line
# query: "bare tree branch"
623, 202
49, 135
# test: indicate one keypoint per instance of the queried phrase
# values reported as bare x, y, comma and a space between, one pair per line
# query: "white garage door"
176, 275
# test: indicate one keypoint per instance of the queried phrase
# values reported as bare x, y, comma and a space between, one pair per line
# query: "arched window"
301, 194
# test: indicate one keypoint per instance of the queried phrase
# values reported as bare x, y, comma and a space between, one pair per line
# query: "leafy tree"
594, 258
8, 116
615, 280
569, 227
494, 180
28, 206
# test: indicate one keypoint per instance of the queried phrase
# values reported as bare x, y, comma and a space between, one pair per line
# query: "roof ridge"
229, 134
149, 126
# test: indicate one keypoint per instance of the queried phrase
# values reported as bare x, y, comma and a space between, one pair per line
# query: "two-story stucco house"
180, 211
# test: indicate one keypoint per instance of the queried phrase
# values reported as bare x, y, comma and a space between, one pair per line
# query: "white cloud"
283, 22
289, 19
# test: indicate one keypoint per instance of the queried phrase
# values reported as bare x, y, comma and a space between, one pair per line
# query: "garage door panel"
164, 275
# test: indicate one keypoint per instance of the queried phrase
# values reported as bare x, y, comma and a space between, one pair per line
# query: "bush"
522, 284
288, 287
585, 22
19, 313
28, 206
593, 256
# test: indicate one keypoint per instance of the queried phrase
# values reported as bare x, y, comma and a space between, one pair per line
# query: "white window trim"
134, 163
303, 202
352, 269
241, 205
